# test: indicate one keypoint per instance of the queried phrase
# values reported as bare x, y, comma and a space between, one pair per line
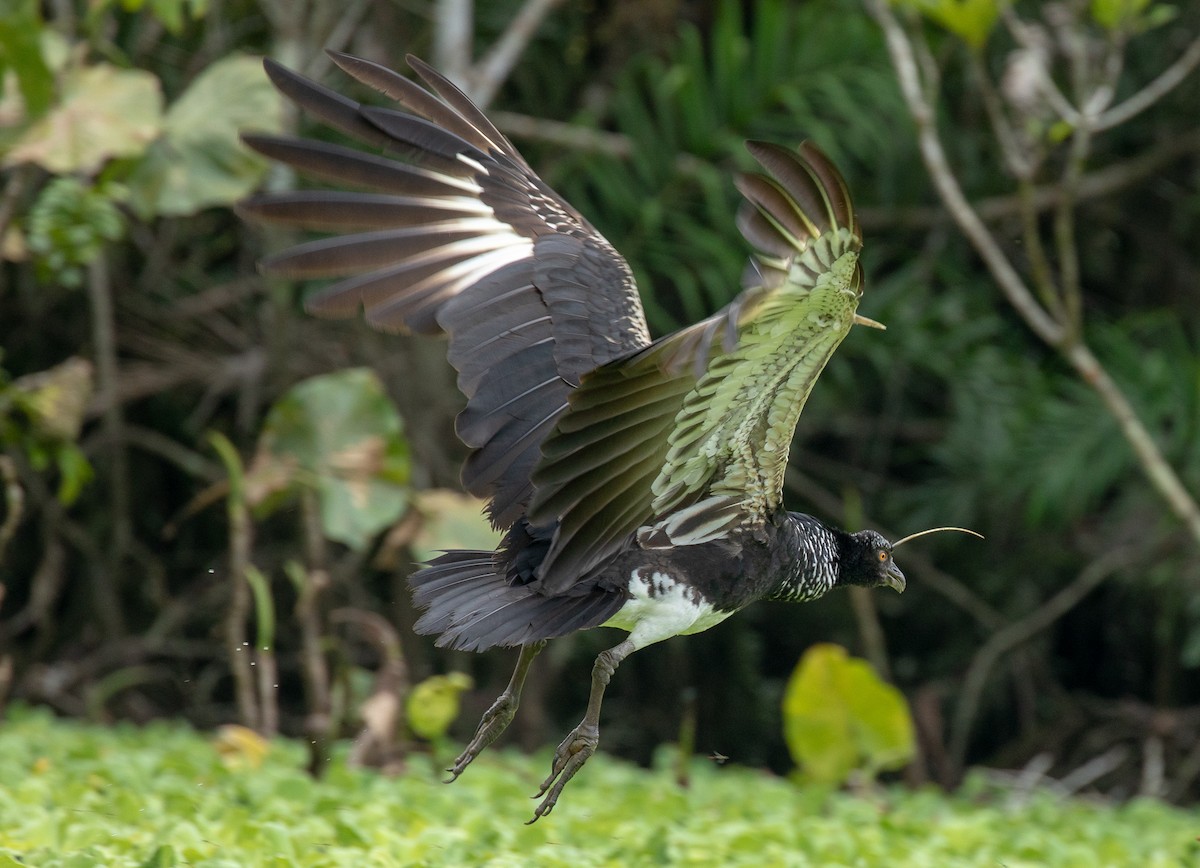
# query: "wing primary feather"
776, 206
453, 232
799, 180
340, 164
461, 103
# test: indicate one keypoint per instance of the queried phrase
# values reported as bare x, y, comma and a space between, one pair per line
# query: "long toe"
569, 758
495, 720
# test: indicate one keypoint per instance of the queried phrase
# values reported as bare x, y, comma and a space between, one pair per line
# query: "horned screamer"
638, 482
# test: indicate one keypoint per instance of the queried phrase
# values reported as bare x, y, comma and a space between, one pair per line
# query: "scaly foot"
494, 721
569, 758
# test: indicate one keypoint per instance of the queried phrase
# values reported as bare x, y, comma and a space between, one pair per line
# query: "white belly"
661, 608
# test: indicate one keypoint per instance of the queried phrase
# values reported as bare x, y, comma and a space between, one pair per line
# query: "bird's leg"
497, 718
581, 743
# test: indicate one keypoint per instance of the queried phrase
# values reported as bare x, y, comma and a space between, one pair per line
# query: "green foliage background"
163, 796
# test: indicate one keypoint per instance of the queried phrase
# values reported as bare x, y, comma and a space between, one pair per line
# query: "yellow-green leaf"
840, 717
433, 704
970, 20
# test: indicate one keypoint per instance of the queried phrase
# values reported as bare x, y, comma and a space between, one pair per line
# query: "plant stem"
14, 505
241, 535
104, 336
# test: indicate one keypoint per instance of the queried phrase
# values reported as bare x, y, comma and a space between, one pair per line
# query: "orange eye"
882, 555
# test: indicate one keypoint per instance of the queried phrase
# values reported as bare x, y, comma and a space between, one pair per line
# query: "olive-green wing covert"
689, 437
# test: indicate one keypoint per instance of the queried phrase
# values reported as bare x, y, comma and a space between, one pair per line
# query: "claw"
494, 721
497, 718
569, 757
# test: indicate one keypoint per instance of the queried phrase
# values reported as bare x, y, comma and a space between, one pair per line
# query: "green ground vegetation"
81, 795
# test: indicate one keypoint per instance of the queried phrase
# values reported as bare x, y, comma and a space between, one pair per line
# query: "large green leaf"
199, 161
839, 717
105, 112
340, 434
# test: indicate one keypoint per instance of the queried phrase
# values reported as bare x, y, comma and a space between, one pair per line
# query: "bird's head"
867, 561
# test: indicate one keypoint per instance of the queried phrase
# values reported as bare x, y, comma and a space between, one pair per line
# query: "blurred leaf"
200, 162
839, 717
74, 472
342, 435
162, 857
970, 20
55, 399
1133, 16
451, 520
240, 747
69, 225
105, 112
434, 704
21, 55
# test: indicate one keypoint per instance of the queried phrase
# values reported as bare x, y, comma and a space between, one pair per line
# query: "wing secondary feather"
696, 428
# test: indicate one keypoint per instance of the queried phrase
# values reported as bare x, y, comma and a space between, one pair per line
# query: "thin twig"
14, 502
312, 581
903, 59
1092, 770
1030, 38
494, 67
1069, 288
104, 336
1018, 161
11, 196
241, 541
453, 31
1093, 185
1168, 80
1021, 631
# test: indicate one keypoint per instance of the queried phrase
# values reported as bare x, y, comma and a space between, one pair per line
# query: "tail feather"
471, 607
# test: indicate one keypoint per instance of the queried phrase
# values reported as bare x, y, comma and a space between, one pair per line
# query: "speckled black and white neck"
688, 589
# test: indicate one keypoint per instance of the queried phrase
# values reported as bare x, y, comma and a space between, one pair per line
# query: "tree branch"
1167, 81
494, 67
1014, 289
1018, 632
1067, 341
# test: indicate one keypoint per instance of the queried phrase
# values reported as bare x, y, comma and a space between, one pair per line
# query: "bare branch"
1068, 341
1011, 284
1032, 38
494, 67
1022, 631
1167, 81
453, 42
14, 502
104, 336
1094, 185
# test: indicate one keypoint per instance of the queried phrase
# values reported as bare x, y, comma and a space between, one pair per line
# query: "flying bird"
638, 482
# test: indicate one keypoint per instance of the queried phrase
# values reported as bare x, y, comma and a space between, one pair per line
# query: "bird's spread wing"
689, 437
455, 234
